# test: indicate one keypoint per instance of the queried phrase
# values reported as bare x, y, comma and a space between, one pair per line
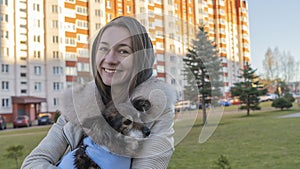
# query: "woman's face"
114, 58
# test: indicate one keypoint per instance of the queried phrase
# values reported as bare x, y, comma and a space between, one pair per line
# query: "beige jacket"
82, 102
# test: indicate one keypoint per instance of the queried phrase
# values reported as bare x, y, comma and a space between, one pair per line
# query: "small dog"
125, 126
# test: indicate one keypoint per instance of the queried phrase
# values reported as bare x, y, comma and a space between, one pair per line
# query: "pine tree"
249, 89
202, 70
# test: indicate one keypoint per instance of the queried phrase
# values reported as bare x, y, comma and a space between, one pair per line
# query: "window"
5, 85
36, 7
23, 91
54, 24
71, 71
37, 54
38, 23
160, 69
82, 24
173, 58
83, 67
57, 85
36, 38
70, 41
173, 70
57, 70
54, 8
55, 39
83, 53
37, 70
38, 86
173, 81
55, 54
98, 12
98, 26
4, 68
109, 17
3, 17
55, 101
4, 2
160, 57
4, 51
4, 34
108, 4
128, 9
82, 10
5, 103
23, 74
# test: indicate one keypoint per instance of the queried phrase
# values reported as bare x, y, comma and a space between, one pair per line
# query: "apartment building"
45, 44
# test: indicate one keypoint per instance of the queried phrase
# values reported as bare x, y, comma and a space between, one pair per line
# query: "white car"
267, 97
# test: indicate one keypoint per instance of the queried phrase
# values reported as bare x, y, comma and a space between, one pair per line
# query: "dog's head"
128, 121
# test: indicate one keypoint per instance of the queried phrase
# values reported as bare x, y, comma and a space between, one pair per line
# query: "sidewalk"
290, 115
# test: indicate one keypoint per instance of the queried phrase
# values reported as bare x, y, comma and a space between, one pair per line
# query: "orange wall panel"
71, 49
82, 31
82, 17
70, 5
71, 63
70, 20
70, 34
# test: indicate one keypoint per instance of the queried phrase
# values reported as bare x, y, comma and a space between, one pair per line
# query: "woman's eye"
103, 49
123, 52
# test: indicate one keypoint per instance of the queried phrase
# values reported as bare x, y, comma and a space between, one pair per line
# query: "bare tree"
270, 65
288, 67
280, 65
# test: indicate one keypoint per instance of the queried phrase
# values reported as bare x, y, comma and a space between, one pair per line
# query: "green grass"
29, 137
260, 141
257, 142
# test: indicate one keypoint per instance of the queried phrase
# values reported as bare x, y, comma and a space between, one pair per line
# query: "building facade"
45, 44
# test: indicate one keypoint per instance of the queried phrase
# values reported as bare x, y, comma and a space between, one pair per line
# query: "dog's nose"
146, 131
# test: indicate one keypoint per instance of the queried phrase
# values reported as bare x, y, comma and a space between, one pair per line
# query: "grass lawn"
29, 137
260, 141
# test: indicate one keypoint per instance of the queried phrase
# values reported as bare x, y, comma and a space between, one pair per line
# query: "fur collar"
83, 106
83, 102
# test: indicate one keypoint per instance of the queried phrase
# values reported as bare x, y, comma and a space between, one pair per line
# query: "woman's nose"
111, 57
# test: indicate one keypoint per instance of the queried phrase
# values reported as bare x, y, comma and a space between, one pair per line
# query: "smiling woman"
114, 56
123, 94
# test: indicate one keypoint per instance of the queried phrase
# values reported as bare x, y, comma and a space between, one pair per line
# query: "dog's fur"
126, 127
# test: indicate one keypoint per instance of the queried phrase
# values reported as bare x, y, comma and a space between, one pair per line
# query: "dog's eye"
141, 104
127, 122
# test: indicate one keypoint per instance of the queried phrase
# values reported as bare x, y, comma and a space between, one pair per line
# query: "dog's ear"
141, 104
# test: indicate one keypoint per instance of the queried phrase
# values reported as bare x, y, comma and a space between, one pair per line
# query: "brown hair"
143, 54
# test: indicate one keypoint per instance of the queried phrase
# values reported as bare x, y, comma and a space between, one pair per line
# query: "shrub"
222, 163
282, 103
56, 115
289, 97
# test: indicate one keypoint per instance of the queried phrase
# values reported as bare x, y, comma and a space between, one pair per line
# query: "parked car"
224, 102
2, 123
44, 120
235, 101
185, 105
22, 121
267, 97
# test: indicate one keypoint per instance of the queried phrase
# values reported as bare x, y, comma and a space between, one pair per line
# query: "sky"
273, 23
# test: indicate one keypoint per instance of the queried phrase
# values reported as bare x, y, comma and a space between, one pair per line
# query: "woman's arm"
158, 149
50, 149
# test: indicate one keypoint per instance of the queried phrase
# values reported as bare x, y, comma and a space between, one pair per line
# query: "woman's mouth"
109, 70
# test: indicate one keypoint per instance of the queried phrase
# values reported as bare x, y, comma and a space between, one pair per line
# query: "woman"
122, 60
